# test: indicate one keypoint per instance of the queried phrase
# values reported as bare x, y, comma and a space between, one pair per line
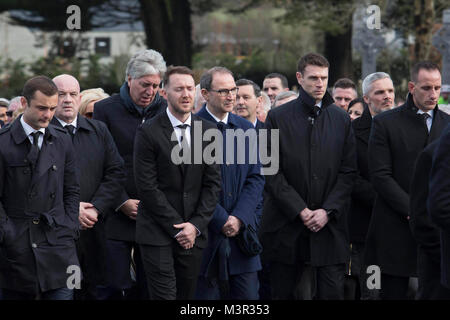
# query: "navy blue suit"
242, 186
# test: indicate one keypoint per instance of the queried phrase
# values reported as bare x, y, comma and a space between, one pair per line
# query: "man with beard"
397, 138
378, 93
304, 219
123, 113
100, 174
248, 99
178, 199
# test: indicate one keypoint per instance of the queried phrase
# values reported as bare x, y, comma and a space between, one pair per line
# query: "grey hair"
371, 78
285, 94
145, 62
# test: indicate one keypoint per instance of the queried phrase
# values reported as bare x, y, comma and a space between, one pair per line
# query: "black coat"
38, 210
172, 194
123, 122
424, 231
317, 169
363, 194
397, 138
438, 200
101, 174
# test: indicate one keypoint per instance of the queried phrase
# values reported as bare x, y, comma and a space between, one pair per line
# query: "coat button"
230, 194
52, 195
34, 245
26, 171
25, 160
315, 177
54, 168
36, 221
185, 195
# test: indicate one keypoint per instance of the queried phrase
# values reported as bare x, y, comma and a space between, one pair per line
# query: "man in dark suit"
379, 95
425, 232
39, 196
178, 199
123, 113
304, 218
438, 200
100, 174
248, 99
227, 272
397, 138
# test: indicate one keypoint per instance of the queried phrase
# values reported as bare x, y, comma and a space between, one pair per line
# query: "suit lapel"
46, 156
438, 125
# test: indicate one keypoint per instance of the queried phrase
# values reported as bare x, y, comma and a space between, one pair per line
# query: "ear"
205, 94
411, 87
163, 93
299, 77
24, 102
129, 81
366, 100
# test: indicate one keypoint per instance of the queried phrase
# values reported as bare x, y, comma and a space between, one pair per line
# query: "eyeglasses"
226, 92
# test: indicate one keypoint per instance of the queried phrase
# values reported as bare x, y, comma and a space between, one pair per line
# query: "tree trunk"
424, 17
167, 25
338, 51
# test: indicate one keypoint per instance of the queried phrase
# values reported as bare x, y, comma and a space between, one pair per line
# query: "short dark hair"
39, 83
176, 70
314, 59
282, 77
427, 65
344, 83
207, 77
247, 82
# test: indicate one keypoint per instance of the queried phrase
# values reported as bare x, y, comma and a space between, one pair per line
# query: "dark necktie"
183, 131
34, 151
316, 111
221, 125
425, 116
70, 129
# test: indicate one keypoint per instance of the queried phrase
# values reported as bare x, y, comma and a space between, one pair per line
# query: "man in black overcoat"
101, 174
304, 219
397, 138
123, 113
39, 197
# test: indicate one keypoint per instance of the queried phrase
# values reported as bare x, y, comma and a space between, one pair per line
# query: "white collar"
224, 120
74, 122
175, 122
29, 129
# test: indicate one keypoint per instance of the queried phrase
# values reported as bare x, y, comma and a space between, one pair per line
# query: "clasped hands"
231, 227
186, 237
88, 215
314, 220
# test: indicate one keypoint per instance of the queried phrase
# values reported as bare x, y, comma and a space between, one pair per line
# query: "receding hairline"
63, 77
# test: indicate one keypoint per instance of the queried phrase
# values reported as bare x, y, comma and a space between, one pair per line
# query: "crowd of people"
152, 193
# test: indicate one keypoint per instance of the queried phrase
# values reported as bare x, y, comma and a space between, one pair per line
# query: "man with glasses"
226, 271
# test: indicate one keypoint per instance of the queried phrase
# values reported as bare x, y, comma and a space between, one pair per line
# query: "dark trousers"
429, 271
355, 284
120, 257
394, 287
56, 294
243, 286
329, 281
171, 271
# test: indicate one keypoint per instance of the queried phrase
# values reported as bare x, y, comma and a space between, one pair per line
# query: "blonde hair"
89, 95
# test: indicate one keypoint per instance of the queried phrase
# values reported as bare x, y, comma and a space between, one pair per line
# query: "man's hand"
186, 237
130, 208
232, 226
88, 215
318, 220
306, 215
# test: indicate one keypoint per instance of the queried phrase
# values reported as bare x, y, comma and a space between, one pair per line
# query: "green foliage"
91, 73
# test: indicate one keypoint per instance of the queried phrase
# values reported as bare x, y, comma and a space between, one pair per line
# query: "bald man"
101, 173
